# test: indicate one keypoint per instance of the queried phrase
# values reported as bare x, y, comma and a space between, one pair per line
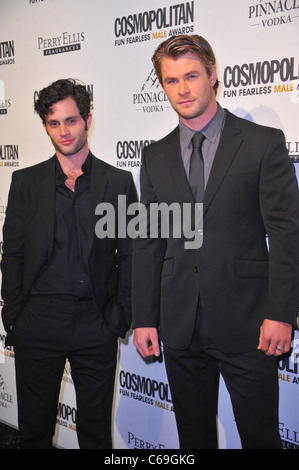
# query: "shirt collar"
210, 131
61, 177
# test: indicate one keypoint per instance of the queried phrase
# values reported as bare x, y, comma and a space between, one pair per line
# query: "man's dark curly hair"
60, 90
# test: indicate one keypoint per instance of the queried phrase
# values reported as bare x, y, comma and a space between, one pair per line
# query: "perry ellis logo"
138, 443
66, 42
4, 105
293, 148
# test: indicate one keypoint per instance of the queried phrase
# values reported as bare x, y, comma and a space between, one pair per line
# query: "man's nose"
183, 88
63, 129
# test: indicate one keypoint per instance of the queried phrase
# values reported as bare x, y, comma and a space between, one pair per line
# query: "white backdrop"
108, 46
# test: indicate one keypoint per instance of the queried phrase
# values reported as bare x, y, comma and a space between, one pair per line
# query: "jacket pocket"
167, 268
252, 268
240, 169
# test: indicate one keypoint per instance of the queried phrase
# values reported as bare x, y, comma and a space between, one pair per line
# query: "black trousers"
47, 332
252, 382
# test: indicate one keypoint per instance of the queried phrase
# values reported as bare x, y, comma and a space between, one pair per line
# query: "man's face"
66, 128
188, 87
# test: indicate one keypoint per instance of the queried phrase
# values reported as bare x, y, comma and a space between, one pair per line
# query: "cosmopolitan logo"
9, 155
153, 24
7, 52
261, 72
5, 351
66, 416
261, 75
146, 390
275, 13
288, 366
67, 42
145, 385
129, 152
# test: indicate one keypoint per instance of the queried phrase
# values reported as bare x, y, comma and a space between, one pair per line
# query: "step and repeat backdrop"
108, 46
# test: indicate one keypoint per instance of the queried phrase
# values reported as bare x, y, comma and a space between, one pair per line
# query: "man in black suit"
230, 304
66, 291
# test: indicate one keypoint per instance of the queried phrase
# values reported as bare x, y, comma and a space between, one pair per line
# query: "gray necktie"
196, 172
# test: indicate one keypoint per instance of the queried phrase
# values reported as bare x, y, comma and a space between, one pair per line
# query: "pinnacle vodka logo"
6, 399
150, 98
272, 14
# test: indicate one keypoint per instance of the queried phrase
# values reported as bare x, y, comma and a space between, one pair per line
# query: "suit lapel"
229, 144
46, 204
98, 186
176, 167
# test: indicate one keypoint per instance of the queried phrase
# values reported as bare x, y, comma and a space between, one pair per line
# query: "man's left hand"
275, 337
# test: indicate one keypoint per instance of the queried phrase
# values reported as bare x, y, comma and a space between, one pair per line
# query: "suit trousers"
252, 382
49, 331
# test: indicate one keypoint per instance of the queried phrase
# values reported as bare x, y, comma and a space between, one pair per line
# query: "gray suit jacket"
252, 191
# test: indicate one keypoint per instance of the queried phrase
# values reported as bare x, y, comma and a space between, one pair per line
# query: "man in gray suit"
229, 305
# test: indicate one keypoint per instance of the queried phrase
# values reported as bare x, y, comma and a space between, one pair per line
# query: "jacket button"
195, 270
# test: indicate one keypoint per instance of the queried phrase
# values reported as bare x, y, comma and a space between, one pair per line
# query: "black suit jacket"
252, 191
28, 238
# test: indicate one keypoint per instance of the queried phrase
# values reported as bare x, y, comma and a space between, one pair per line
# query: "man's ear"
213, 76
88, 121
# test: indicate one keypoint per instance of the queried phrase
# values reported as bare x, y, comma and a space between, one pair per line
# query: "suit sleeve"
124, 257
280, 208
13, 255
148, 256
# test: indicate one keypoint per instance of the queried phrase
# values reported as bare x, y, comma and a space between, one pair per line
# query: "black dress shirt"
66, 274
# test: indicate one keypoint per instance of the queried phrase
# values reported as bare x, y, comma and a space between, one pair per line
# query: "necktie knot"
197, 140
